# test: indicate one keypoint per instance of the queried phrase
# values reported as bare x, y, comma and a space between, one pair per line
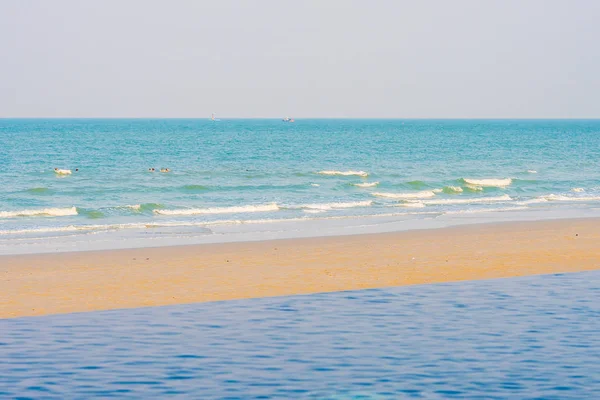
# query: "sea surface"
253, 179
522, 338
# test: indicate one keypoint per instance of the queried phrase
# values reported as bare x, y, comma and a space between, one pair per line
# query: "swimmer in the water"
165, 170
76, 169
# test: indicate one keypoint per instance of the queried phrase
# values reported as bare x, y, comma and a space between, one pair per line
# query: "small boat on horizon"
288, 119
212, 117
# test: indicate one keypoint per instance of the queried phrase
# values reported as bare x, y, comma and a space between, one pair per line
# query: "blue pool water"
523, 338
252, 177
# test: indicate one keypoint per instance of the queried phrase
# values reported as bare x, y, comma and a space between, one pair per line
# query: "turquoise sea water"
524, 338
239, 179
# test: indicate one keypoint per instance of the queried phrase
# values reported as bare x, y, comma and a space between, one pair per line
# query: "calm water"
237, 176
535, 337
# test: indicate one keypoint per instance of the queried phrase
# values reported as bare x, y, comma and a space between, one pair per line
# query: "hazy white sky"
309, 58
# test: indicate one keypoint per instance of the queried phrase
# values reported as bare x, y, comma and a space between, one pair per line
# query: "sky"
309, 58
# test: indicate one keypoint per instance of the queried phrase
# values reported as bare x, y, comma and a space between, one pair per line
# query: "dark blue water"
534, 337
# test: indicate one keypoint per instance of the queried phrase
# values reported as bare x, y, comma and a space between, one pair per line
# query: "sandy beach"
41, 284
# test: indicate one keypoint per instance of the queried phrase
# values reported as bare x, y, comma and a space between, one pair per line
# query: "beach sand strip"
42, 284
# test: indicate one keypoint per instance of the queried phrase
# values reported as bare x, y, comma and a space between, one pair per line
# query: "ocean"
535, 337
236, 179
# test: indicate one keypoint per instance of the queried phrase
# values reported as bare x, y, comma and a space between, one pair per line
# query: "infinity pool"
534, 337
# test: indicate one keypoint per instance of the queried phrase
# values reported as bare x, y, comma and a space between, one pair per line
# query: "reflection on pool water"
534, 337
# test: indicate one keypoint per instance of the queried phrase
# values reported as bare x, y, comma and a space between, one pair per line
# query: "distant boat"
212, 117
288, 119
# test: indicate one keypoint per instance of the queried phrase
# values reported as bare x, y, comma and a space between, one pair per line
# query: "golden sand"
42, 284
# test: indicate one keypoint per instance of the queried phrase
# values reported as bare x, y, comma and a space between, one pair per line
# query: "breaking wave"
488, 210
137, 208
473, 200
69, 228
559, 197
44, 212
332, 206
411, 204
415, 195
488, 182
134, 207
220, 210
452, 189
365, 184
345, 173
474, 188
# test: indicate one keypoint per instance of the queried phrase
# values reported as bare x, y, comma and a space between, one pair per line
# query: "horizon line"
319, 118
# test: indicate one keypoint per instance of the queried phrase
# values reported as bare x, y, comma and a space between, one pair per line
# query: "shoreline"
56, 283
277, 229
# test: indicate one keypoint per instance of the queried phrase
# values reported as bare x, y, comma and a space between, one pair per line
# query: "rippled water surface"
534, 337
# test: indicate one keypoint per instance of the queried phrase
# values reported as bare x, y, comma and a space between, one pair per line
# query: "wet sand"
41, 284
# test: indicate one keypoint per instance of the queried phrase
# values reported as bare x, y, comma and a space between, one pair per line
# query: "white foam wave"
411, 204
474, 188
68, 228
221, 210
473, 200
44, 212
559, 197
344, 173
414, 195
333, 206
309, 218
578, 190
489, 182
39, 230
366, 184
489, 210
92, 228
531, 171
315, 184
533, 201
